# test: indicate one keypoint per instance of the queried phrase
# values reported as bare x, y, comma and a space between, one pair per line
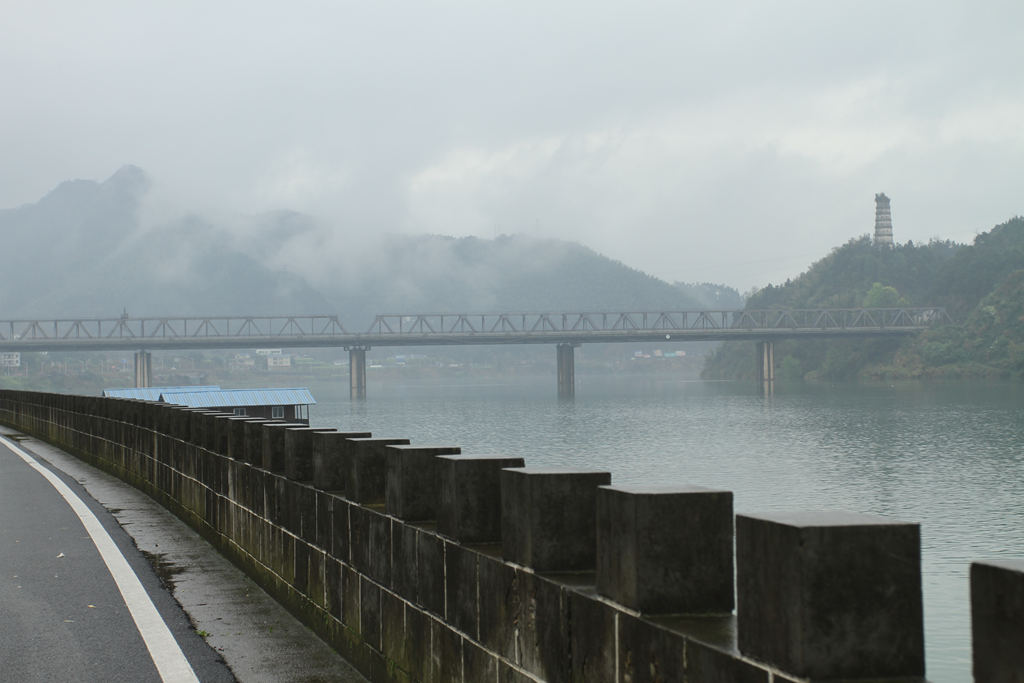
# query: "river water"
949, 456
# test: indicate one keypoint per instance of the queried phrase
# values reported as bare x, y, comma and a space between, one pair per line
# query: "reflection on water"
950, 456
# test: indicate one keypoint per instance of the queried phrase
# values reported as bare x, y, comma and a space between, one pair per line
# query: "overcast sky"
730, 142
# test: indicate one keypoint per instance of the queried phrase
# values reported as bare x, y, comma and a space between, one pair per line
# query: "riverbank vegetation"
981, 286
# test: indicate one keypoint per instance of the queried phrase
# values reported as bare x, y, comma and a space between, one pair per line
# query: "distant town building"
274, 361
883, 220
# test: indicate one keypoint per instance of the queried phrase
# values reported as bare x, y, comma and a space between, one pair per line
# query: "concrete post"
357, 373
328, 449
236, 437
766, 367
273, 445
566, 370
830, 595
548, 518
143, 369
411, 486
469, 510
298, 452
666, 550
997, 620
366, 466
252, 439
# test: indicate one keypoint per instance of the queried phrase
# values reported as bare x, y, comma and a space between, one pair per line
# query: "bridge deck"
460, 329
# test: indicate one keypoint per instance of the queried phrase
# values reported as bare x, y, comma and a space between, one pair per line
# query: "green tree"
883, 296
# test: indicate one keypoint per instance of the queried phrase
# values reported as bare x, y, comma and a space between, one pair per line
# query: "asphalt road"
62, 616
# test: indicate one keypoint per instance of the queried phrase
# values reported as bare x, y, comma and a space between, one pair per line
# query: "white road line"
170, 661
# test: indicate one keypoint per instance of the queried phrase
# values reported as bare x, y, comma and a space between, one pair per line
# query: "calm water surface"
950, 456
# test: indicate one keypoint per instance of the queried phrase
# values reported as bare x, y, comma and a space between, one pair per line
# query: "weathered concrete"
328, 455
298, 452
665, 549
469, 510
236, 437
548, 517
997, 620
411, 485
273, 456
830, 595
366, 465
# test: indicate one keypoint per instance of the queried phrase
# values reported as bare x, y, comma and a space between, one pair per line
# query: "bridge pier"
566, 370
766, 367
143, 369
357, 372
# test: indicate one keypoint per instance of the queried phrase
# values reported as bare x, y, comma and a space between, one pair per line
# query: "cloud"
731, 141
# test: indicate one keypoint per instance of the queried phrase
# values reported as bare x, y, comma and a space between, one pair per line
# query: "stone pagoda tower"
883, 221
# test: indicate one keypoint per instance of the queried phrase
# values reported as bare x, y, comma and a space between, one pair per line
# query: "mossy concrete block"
470, 490
365, 468
324, 519
477, 663
369, 613
592, 638
371, 543
392, 627
340, 529
830, 595
997, 620
543, 628
298, 452
411, 487
301, 568
221, 433
649, 653
665, 549
508, 674
236, 437
548, 517
446, 653
306, 501
273, 458
328, 453
461, 589
430, 576
332, 587
404, 568
350, 611
252, 443
709, 665
500, 607
417, 648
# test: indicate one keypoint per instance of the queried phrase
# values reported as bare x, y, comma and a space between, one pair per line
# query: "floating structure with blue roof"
281, 404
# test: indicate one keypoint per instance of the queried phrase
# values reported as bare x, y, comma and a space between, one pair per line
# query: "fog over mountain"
87, 249
724, 142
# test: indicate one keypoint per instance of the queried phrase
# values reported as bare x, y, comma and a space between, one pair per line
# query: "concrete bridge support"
766, 367
143, 369
357, 372
566, 371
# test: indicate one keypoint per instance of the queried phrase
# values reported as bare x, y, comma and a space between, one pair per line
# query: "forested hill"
981, 286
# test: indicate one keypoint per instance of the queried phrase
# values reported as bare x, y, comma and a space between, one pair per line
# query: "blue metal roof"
153, 393
223, 398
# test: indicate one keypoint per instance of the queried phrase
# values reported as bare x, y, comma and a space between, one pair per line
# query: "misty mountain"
84, 250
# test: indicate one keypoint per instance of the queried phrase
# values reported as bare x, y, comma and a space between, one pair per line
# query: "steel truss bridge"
128, 333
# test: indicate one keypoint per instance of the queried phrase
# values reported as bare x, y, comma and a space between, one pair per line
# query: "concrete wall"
419, 563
